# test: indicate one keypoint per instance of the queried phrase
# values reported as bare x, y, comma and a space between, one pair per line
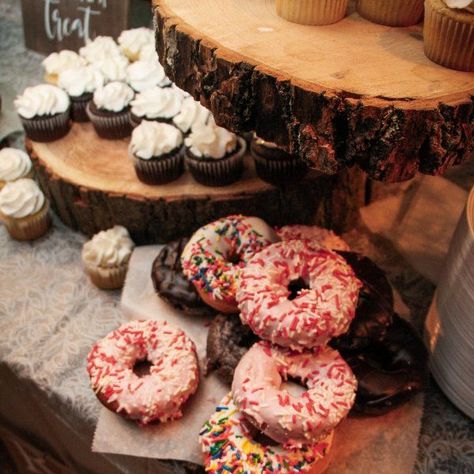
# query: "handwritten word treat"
158, 396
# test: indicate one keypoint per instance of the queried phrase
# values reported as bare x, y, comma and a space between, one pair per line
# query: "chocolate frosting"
172, 285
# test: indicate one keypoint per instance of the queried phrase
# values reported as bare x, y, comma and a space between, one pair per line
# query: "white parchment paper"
385, 444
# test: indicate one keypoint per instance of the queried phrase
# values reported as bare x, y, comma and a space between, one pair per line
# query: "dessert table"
50, 313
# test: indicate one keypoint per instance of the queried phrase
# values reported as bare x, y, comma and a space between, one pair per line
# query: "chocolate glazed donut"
384, 351
172, 285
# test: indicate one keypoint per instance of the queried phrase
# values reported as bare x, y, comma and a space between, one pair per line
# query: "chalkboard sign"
52, 25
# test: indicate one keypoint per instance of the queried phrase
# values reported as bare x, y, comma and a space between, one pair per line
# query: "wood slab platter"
92, 185
349, 93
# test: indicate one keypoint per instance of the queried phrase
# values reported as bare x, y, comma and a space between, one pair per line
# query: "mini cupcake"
191, 115
109, 110
106, 257
102, 47
275, 165
24, 210
133, 41
312, 12
156, 151
448, 33
80, 84
113, 68
144, 75
14, 164
391, 12
157, 104
214, 156
56, 63
44, 112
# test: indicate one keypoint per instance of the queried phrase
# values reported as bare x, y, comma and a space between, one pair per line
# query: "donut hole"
294, 386
295, 286
142, 367
234, 258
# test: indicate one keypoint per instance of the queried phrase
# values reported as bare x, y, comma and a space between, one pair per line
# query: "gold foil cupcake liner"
447, 35
391, 12
312, 12
29, 227
107, 278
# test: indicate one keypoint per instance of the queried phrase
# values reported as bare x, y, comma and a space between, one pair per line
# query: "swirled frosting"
82, 80
157, 103
114, 96
151, 139
113, 68
56, 63
191, 115
102, 47
468, 4
44, 99
109, 248
143, 75
211, 141
148, 52
135, 39
14, 164
21, 198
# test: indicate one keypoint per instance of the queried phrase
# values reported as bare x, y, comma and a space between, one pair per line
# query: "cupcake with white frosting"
148, 52
56, 63
133, 41
14, 164
191, 115
44, 112
113, 68
144, 75
448, 33
102, 47
109, 110
156, 152
106, 257
80, 83
214, 156
157, 104
24, 210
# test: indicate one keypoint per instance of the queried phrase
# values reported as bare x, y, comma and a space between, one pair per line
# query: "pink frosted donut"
318, 235
297, 295
286, 418
172, 379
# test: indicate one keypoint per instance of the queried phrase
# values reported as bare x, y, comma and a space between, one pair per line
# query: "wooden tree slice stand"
92, 186
349, 93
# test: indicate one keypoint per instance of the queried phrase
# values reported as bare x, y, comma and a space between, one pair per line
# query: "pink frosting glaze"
318, 235
315, 315
173, 377
286, 418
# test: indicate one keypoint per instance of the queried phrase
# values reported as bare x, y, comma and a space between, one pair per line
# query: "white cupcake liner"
391, 12
107, 278
312, 12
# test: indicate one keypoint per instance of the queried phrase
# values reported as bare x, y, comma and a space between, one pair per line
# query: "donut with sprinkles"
216, 253
157, 396
323, 237
229, 446
282, 416
297, 295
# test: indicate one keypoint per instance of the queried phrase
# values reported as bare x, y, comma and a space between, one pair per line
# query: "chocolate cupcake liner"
47, 128
107, 278
220, 172
391, 12
447, 35
279, 171
78, 108
312, 12
29, 227
160, 170
112, 126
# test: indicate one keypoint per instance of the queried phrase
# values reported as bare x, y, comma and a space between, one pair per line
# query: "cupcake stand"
360, 128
